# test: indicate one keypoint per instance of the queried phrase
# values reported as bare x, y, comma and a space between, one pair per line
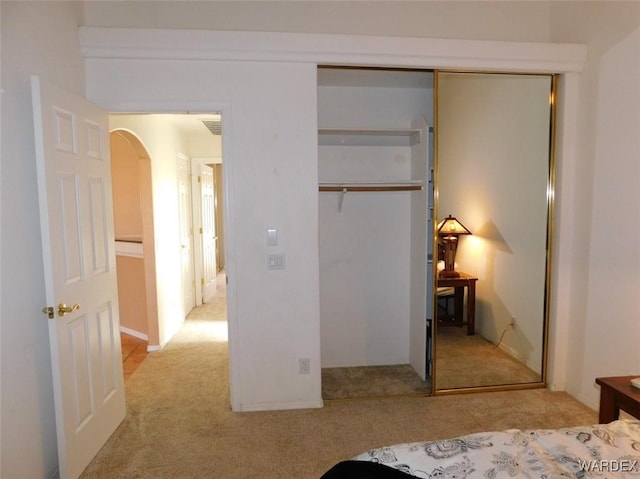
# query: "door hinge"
201, 230
202, 281
49, 311
199, 179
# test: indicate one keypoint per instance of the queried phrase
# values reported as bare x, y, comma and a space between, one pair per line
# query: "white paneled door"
74, 188
186, 233
208, 232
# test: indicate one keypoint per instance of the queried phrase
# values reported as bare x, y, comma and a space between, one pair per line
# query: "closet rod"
345, 188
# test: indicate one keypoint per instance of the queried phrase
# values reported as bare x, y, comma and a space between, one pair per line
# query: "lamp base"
449, 274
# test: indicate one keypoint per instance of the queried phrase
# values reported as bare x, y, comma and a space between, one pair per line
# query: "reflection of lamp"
449, 229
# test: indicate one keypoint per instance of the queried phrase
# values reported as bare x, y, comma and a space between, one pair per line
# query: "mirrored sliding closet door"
494, 177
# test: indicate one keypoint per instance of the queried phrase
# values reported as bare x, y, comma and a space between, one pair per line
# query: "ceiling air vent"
214, 126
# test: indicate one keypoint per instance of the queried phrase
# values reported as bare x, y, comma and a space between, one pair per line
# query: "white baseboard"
134, 333
512, 352
587, 402
157, 347
277, 406
362, 363
150, 347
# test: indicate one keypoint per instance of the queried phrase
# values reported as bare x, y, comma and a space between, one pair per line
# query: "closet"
375, 209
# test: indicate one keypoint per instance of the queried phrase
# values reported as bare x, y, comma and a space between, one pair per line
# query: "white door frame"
225, 110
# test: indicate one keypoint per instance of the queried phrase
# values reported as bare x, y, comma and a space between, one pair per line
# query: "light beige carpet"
372, 381
468, 361
179, 423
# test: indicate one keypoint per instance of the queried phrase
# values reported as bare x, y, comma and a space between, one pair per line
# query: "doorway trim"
162, 107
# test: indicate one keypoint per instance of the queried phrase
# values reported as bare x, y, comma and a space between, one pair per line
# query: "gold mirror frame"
549, 235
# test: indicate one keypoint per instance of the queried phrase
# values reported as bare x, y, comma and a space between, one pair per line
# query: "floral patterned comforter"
602, 451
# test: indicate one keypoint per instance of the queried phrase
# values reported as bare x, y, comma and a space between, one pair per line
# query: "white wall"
600, 291
486, 20
271, 168
37, 38
563, 25
203, 145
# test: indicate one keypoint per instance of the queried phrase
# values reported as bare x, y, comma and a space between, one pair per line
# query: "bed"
603, 451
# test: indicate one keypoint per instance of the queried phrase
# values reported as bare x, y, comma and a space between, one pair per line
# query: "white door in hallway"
208, 232
76, 216
186, 233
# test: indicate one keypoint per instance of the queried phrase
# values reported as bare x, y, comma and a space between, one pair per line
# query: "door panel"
109, 350
98, 225
74, 193
72, 243
78, 331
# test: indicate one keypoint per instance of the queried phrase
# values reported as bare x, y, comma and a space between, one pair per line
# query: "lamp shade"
451, 226
449, 229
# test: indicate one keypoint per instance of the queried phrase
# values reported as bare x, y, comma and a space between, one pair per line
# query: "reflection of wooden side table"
459, 284
617, 393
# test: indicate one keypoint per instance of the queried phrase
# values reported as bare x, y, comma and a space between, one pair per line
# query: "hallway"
212, 314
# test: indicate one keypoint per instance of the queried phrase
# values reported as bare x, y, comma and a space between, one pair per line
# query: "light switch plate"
272, 237
275, 261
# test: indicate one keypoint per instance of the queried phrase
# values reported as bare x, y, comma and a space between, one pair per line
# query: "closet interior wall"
372, 244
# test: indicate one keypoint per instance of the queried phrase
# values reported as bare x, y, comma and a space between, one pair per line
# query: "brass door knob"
64, 309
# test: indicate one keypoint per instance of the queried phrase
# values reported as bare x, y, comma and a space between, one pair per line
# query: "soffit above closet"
374, 77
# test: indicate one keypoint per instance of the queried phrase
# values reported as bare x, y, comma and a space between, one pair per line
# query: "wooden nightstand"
617, 393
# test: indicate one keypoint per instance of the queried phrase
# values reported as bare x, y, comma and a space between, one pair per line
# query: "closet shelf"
369, 136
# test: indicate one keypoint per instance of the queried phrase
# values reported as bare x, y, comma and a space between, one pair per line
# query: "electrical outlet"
304, 365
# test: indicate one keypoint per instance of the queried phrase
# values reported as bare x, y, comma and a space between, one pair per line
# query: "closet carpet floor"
372, 381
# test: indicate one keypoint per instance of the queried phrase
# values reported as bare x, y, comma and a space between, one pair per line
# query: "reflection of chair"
446, 304
464, 301
446, 301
